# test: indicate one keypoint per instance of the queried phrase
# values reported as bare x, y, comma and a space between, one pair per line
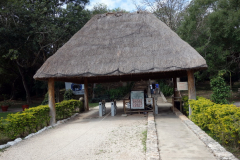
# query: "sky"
127, 5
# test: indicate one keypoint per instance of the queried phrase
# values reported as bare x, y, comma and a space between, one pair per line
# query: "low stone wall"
215, 147
152, 152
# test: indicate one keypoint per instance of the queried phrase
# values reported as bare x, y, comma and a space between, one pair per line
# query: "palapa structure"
122, 47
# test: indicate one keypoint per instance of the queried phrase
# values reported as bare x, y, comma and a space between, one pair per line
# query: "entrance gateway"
115, 47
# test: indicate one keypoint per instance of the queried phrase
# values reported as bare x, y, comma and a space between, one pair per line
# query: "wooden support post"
191, 87
86, 107
174, 92
51, 101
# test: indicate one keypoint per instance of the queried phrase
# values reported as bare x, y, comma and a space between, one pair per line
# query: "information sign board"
182, 86
77, 89
137, 100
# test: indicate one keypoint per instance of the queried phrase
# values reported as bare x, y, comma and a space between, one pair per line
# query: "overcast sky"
128, 5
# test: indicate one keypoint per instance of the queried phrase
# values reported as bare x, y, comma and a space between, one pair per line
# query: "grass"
93, 105
4, 114
144, 139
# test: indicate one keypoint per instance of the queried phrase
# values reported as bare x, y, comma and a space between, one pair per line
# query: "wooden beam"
86, 107
51, 101
191, 87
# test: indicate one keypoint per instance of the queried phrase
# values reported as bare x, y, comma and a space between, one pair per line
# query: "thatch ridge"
114, 44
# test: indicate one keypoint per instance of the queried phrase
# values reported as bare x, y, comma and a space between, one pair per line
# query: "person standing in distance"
153, 88
157, 88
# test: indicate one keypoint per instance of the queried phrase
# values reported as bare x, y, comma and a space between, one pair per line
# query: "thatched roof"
117, 46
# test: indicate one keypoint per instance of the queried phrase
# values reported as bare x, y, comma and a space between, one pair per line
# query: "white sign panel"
149, 101
137, 100
77, 89
182, 86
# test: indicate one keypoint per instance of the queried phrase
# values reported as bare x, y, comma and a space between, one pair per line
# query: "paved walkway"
176, 140
87, 136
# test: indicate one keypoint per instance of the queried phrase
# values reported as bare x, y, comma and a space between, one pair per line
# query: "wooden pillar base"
51, 101
191, 88
86, 107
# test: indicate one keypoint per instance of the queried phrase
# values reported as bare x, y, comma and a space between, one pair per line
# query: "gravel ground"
86, 137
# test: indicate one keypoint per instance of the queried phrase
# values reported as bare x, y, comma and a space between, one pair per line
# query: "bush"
221, 120
68, 94
33, 119
45, 101
165, 89
111, 94
185, 105
220, 90
67, 108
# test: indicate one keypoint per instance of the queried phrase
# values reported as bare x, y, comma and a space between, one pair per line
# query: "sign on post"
77, 89
182, 86
137, 100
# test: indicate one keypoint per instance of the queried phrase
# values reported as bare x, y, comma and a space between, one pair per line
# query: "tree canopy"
212, 27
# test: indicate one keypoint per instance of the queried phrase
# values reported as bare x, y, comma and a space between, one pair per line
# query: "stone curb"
152, 152
219, 152
11, 143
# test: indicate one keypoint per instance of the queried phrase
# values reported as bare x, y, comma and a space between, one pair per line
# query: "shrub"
111, 94
185, 105
165, 89
67, 108
45, 101
220, 90
68, 94
28, 121
221, 120
32, 119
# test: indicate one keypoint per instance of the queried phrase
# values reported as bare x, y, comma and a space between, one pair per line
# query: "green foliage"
165, 88
67, 108
144, 140
31, 120
222, 121
28, 121
185, 105
6, 103
220, 90
111, 94
212, 28
31, 31
45, 101
68, 94
118, 93
101, 8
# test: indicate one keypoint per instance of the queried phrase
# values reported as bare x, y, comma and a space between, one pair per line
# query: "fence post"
100, 109
113, 108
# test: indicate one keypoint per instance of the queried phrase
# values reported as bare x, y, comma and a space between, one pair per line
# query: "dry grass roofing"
122, 46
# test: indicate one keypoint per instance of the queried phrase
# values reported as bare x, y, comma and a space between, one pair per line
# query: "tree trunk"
13, 89
28, 97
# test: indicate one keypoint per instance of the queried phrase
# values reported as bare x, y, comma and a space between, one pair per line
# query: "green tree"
212, 27
220, 90
101, 8
31, 31
168, 11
